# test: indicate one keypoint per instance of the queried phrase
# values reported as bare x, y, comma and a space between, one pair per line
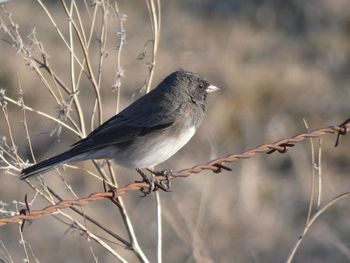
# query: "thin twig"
313, 165
53, 22
319, 168
98, 240
154, 13
91, 75
14, 147
159, 227
312, 220
122, 38
22, 241
118, 200
25, 107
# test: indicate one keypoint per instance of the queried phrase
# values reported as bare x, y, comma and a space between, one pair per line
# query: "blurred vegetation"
277, 62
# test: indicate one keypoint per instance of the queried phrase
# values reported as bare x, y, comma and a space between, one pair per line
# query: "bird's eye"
200, 86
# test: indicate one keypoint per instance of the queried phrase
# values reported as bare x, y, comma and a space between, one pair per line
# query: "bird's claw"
154, 183
147, 190
151, 184
164, 183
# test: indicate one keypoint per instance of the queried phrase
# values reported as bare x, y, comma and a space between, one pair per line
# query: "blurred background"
277, 62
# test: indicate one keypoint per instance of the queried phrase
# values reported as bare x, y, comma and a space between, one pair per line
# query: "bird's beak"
211, 88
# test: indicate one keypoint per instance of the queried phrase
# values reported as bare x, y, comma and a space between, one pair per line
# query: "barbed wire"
216, 166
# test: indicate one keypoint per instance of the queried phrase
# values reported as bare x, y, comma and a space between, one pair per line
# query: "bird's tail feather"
47, 165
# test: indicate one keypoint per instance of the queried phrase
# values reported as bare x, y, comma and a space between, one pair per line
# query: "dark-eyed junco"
146, 133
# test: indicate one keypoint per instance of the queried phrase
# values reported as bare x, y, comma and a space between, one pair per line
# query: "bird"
147, 132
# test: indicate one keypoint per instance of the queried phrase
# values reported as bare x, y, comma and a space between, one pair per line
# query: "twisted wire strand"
217, 166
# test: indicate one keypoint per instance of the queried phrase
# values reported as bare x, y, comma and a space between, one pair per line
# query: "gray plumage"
146, 133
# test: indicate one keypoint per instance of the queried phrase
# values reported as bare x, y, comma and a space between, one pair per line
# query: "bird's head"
192, 85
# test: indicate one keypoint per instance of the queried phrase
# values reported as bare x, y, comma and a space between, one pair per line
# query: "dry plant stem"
45, 82
313, 165
111, 172
103, 244
103, 37
73, 81
33, 255
76, 222
82, 69
44, 57
103, 40
4, 111
121, 44
81, 24
69, 118
74, 94
312, 220
6, 254
102, 172
28, 135
90, 234
56, 80
93, 221
154, 12
93, 255
9, 165
99, 241
84, 45
312, 192
69, 188
87, 7
159, 227
24, 107
58, 30
22, 241
125, 217
16, 37
25, 52
91, 75
96, 176
127, 222
44, 65
79, 110
319, 168
199, 251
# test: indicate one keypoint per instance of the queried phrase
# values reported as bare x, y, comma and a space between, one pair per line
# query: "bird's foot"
164, 173
154, 183
146, 179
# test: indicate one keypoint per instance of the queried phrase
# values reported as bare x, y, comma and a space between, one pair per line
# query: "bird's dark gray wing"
138, 119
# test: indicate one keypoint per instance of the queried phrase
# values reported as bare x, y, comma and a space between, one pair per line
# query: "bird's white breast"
154, 152
166, 148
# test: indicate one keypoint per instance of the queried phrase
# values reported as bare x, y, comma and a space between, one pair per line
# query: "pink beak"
211, 88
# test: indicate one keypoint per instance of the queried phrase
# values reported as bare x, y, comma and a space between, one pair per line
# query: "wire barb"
215, 166
25, 211
220, 167
343, 131
281, 148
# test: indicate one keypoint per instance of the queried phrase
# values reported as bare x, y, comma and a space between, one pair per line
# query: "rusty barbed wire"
216, 166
